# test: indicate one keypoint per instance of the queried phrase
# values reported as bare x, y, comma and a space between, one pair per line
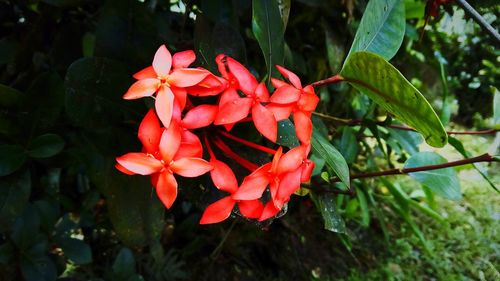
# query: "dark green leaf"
45, 146
443, 182
382, 82
382, 28
88, 44
284, 6
94, 87
76, 250
124, 265
324, 149
227, 40
38, 268
14, 194
7, 251
334, 49
326, 205
9, 96
267, 27
8, 50
13, 157
286, 134
363, 204
408, 140
26, 228
349, 146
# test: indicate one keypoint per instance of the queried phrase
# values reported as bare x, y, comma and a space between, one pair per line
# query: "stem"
331, 80
354, 122
209, 148
481, 158
247, 143
479, 19
233, 155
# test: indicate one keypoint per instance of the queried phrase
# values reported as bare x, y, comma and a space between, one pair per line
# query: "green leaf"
408, 140
267, 26
363, 204
326, 205
45, 146
335, 49
227, 40
496, 108
76, 250
384, 84
349, 145
324, 149
88, 44
14, 195
286, 134
38, 268
13, 157
443, 182
461, 149
94, 87
7, 251
382, 28
124, 265
284, 6
9, 96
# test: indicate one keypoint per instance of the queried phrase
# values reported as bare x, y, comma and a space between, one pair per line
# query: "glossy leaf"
124, 264
45, 146
14, 195
286, 134
384, 84
13, 157
76, 250
321, 147
381, 29
349, 146
326, 205
267, 26
443, 182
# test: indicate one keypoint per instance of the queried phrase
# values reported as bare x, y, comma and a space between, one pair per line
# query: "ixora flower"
162, 158
234, 108
291, 97
167, 77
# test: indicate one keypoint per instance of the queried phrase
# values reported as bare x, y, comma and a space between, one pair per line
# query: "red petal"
233, 111
280, 111
252, 187
269, 211
247, 82
210, 86
303, 126
289, 183
276, 160
180, 95
291, 160
251, 209
278, 83
223, 177
265, 122
162, 61
166, 188
262, 93
308, 102
148, 72
183, 59
170, 142
292, 77
140, 163
228, 95
164, 105
186, 77
190, 146
142, 88
221, 66
307, 168
123, 169
150, 132
190, 167
200, 116
285, 95
218, 211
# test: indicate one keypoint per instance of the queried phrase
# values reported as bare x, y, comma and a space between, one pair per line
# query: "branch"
354, 122
332, 80
469, 10
481, 158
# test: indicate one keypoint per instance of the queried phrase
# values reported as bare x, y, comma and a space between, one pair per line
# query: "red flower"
290, 98
234, 108
282, 175
162, 164
167, 77
225, 180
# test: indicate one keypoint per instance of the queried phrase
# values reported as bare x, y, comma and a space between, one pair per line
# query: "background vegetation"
67, 214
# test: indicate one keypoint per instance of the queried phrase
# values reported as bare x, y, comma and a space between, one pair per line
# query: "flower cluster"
170, 146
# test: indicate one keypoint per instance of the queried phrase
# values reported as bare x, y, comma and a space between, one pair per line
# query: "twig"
332, 80
479, 19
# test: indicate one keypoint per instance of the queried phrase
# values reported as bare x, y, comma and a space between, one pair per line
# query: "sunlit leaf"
382, 82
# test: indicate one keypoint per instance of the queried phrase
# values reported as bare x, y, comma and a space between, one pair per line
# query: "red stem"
231, 154
209, 148
247, 143
331, 80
